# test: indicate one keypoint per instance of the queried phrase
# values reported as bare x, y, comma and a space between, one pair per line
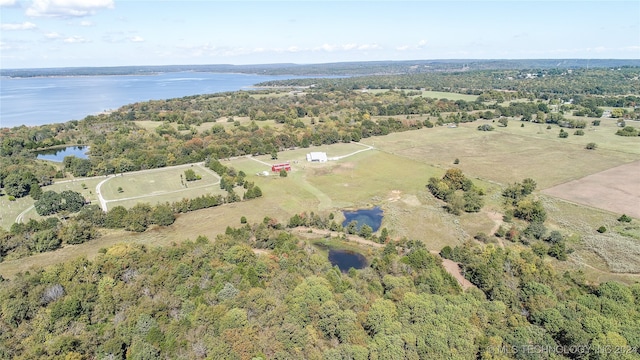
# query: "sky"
71, 33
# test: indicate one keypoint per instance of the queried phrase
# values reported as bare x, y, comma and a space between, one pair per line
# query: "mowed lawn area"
158, 185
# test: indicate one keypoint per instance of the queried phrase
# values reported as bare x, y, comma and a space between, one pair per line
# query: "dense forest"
218, 299
259, 291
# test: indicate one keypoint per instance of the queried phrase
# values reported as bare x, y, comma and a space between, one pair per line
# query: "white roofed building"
317, 157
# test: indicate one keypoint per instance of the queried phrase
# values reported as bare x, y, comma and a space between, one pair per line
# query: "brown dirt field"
616, 190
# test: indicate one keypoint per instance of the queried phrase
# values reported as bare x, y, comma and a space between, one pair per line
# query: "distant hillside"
343, 68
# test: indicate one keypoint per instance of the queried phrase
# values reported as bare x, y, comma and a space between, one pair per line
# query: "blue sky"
61, 33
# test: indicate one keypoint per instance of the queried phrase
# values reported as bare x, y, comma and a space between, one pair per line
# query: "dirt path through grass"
453, 268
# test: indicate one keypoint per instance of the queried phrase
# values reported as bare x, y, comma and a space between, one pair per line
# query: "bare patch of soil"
616, 190
453, 268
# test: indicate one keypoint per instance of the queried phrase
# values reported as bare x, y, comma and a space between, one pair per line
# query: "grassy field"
11, 209
511, 153
159, 185
393, 175
432, 94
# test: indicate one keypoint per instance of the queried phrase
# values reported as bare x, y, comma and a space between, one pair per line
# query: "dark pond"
371, 217
347, 259
58, 155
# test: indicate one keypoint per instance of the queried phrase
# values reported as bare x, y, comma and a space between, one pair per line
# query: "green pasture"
448, 95
430, 94
151, 125
11, 209
512, 153
393, 175
365, 179
158, 185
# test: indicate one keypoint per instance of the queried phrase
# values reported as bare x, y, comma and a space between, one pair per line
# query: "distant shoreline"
327, 69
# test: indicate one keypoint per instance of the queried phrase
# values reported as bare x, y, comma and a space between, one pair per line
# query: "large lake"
46, 100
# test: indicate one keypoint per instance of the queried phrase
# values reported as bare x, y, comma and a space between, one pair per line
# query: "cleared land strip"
103, 201
368, 147
616, 190
158, 193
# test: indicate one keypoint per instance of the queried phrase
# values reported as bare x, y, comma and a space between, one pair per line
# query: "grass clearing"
158, 185
393, 175
429, 94
509, 154
11, 209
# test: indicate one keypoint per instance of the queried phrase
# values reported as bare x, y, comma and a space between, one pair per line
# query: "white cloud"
7, 2
52, 35
346, 47
75, 40
86, 23
24, 26
136, 39
67, 8
421, 44
369, 47
326, 47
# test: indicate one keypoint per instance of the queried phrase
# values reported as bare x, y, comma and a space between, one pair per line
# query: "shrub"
555, 237
482, 237
579, 132
190, 175
558, 251
540, 249
602, 229
624, 218
627, 131
446, 252
536, 230
591, 146
563, 134
243, 220
456, 161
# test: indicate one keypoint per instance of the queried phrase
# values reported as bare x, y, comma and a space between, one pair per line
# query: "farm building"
317, 157
278, 167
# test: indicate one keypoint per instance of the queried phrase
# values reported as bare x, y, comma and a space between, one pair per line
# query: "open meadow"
22, 208
391, 172
158, 186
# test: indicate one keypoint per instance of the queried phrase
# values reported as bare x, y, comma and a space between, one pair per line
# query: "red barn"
278, 167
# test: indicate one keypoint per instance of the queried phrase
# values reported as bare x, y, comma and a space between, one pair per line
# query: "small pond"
371, 217
57, 155
347, 259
